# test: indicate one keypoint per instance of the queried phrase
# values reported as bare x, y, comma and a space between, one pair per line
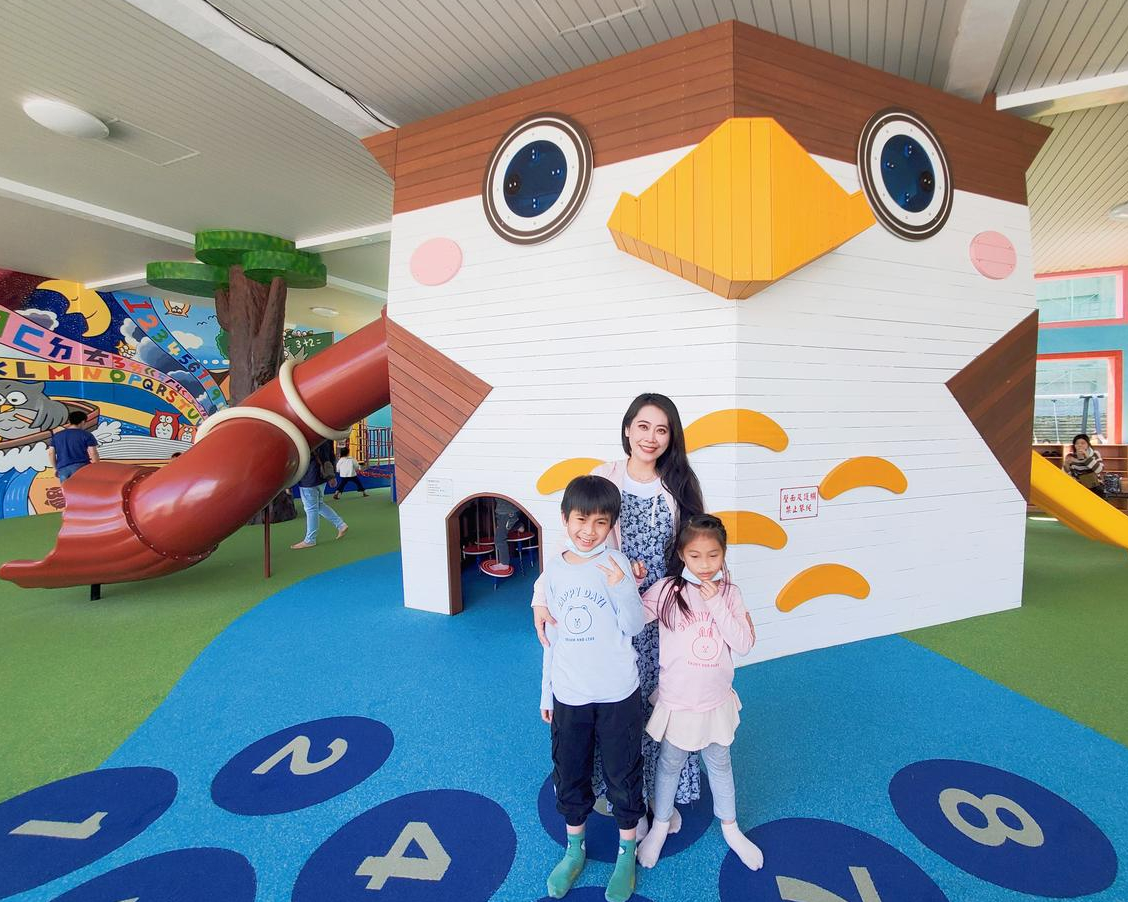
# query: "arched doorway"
470, 531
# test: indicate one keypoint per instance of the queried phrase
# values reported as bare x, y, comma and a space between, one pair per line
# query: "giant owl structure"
827, 267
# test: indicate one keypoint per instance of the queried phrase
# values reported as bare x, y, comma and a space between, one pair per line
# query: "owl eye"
905, 175
537, 179
17, 398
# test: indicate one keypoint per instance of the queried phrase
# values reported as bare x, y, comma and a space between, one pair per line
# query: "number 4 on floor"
378, 868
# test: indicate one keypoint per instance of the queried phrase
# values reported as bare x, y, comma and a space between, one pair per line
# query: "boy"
346, 473
72, 448
589, 681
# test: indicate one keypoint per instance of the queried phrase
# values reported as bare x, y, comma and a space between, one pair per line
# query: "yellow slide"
1074, 505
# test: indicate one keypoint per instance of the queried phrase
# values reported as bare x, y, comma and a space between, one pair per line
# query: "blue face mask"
571, 546
690, 577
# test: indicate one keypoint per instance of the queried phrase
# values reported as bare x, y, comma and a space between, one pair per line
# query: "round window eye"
537, 178
905, 175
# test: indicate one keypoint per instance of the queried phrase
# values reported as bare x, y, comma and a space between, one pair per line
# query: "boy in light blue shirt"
589, 680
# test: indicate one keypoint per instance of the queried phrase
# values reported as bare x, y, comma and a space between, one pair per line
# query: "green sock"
566, 872
622, 883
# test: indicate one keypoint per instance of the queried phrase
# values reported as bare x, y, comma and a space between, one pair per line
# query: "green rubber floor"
77, 677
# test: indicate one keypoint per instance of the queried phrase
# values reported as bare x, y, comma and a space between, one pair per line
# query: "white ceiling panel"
264, 162
1057, 41
1077, 178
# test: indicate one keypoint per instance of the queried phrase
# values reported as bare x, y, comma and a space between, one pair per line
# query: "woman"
658, 488
1084, 464
311, 488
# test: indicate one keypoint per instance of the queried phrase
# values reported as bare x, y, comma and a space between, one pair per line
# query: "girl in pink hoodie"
701, 622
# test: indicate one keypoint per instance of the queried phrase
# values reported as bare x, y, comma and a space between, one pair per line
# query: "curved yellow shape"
822, 579
750, 528
735, 425
557, 477
1074, 505
861, 471
85, 301
744, 208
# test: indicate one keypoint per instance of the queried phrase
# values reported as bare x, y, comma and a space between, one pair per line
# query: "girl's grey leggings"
719, 765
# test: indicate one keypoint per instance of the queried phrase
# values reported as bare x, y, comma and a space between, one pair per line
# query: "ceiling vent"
568, 16
145, 145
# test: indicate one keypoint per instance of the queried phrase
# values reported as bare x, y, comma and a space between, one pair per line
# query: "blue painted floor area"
823, 735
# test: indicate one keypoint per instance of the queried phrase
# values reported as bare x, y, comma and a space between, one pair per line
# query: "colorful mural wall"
145, 371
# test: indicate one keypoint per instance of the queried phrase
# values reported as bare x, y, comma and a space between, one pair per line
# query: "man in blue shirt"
72, 447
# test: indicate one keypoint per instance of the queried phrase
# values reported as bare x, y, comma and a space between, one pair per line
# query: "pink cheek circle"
436, 261
993, 255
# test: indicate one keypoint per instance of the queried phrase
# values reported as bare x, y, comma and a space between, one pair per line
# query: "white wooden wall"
849, 354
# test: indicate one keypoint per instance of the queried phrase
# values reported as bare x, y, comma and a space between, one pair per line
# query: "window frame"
1119, 273
1113, 398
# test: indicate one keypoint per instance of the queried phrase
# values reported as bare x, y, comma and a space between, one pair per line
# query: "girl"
1084, 464
701, 620
658, 487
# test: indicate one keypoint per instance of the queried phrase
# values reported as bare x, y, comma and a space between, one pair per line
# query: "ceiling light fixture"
64, 119
1120, 211
323, 311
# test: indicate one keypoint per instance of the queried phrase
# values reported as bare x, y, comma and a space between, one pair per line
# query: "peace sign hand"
614, 573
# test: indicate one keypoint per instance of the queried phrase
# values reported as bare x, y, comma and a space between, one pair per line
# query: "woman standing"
658, 488
311, 488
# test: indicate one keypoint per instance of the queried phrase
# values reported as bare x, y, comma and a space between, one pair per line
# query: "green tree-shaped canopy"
262, 258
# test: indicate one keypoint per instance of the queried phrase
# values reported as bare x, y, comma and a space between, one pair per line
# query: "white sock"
641, 829
675, 821
748, 851
651, 847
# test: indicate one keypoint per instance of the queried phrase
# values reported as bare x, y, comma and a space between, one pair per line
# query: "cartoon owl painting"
796, 268
25, 408
163, 425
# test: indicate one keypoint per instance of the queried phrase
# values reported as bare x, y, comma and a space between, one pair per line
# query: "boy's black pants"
618, 727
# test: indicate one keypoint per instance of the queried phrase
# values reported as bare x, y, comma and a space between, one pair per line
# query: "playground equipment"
1074, 505
126, 523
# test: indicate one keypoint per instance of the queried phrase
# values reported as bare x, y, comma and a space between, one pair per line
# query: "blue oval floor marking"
805, 855
186, 875
302, 765
1003, 828
63, 826
433, 845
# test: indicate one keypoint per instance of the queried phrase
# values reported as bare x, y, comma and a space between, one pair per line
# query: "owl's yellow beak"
4, 408
743, 209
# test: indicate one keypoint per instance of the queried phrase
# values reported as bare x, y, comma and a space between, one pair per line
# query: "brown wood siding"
824, 101
432, 398
674, 93
996, 391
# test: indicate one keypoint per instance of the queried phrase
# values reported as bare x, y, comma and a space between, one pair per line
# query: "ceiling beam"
200, 22
367, 291
335, 241
1100, 90
72, 206
980, 39
118, 283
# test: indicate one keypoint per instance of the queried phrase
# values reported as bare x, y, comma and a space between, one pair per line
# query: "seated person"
1084, 464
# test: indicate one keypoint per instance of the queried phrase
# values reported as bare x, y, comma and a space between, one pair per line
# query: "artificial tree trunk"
248, 274
253, 315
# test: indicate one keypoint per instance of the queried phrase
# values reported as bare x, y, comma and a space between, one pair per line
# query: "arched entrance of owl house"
475, 558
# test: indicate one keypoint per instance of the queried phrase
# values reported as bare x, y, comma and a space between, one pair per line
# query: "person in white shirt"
346, 473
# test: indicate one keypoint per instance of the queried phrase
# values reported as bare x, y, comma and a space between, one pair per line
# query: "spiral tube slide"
125, 523
1074, 505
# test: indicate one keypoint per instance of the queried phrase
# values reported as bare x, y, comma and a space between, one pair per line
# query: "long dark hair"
673, 466
672, 601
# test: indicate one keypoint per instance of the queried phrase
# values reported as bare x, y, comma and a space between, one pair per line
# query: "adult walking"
311, 488
658, 489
